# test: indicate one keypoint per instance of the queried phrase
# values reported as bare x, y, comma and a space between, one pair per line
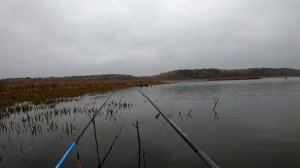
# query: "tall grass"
43, 91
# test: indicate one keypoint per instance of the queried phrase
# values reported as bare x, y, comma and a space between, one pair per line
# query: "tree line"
207, 73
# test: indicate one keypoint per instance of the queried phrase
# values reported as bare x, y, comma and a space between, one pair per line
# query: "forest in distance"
42, 90
228, 74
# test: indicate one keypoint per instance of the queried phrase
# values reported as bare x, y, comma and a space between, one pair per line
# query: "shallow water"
255, 124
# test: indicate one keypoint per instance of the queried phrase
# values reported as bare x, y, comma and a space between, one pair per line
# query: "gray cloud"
67, 37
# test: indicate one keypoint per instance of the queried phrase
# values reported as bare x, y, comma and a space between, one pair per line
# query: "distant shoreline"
44, 90
222, 79
233, 78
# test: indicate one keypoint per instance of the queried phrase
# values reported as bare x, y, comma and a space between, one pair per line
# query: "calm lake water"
255, 124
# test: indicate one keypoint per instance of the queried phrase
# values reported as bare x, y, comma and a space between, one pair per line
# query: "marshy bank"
52, 90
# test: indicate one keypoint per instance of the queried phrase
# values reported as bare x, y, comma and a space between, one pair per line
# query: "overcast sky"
145, 37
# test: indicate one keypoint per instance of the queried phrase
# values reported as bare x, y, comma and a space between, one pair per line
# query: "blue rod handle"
60, 163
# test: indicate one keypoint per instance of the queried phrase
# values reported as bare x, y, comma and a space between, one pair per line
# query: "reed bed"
37, 119
51, 91
30, 122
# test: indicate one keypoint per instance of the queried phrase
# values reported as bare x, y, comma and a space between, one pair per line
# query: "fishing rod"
61, 161
210, 163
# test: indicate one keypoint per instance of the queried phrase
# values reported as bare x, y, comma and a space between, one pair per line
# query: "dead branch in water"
140, 145
216, 102
189, 113
216, 115
179, 114
111, 146
139, 140
21, 148
96, 140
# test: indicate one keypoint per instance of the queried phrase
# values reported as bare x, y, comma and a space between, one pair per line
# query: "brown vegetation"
45, 90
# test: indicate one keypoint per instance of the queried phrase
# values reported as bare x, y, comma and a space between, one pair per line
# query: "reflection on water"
237, 123
24, 123
216, 116
36, 119
216, 101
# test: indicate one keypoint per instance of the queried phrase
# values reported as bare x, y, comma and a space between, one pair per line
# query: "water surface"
255, 124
